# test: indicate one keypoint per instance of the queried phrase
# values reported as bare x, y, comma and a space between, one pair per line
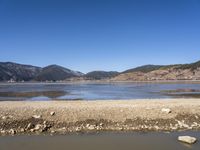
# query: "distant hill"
145, 68
98, 75
17, 72
161, 72
56, 73
20, 72
191, 66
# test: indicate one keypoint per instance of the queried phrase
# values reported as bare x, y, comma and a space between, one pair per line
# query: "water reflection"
96, 91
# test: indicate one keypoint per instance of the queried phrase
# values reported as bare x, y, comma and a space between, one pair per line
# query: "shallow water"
102, 141
90, 91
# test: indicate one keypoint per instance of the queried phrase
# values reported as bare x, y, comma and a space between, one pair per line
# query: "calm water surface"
90, 91
103, 141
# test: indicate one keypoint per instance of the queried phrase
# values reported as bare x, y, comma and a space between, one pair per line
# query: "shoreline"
63, 117
104, 82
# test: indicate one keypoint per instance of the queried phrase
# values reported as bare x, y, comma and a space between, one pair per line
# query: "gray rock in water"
187, 139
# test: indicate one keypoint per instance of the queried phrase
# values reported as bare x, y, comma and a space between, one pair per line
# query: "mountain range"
19, 72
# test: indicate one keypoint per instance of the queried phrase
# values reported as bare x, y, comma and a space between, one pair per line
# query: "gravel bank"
62, 117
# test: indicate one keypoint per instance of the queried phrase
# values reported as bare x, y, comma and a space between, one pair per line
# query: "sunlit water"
93, 91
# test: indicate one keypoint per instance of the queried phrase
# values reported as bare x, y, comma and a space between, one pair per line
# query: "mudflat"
62, 117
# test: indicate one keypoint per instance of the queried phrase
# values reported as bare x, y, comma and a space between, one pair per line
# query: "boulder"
187, 139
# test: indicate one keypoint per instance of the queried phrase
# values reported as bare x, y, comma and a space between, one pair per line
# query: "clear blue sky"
90, 35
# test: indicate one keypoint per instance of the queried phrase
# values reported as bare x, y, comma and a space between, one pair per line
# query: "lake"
94, 91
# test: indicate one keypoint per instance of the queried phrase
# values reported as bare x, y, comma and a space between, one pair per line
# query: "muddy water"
102, 141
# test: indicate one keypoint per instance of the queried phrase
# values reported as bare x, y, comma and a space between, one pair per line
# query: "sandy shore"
62, 117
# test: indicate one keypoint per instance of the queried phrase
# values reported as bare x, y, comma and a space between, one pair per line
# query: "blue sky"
88, 35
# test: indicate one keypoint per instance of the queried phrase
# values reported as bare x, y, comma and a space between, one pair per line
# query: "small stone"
187, 139
101, 124
182, 124
52, 113
37, 116
32, 130
91, 127
166, 110
53, 131
78, 129
46, 127
4, 117
12, 131
30, 126
156, 127
38, 127
22, 130
3, 131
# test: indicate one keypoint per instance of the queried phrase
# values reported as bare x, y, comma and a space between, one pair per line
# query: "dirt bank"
63, 117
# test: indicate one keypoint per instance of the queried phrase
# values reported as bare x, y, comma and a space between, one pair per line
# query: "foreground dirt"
62, 117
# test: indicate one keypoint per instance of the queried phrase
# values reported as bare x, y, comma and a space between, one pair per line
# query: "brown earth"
63, 117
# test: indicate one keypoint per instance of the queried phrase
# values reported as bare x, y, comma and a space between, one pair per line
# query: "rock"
45, 122
22, 130
52, 131
12, 131
32, 130
187, 139
30, 126
166, 110
46, 127
52, 113
182, 124
38, 127
90, 127
78, 129
3, 131
101, 124
37, 116
4, 117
